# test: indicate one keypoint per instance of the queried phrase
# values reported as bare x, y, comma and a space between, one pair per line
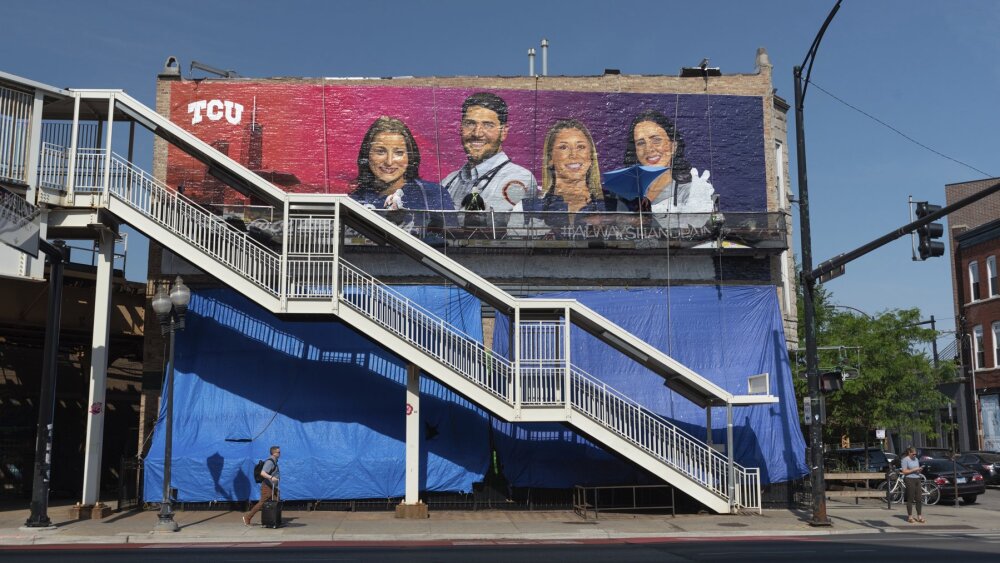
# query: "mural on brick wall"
537, 160
990, 405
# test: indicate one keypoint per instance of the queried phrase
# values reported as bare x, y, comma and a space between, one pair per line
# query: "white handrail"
541, 385
417, 326
52, 167
15, 130
661, 439
178, 214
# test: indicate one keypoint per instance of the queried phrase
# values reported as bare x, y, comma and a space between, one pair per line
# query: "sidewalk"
455, 527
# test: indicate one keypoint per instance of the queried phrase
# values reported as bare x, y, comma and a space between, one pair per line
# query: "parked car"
942, 472
986, 463
893, 459
933, 453
853, 459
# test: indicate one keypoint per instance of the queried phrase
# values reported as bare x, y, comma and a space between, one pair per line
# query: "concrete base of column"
412, 511
100, 511
89, 511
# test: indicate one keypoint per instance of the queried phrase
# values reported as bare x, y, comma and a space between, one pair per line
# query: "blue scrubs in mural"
535, 215
413, 206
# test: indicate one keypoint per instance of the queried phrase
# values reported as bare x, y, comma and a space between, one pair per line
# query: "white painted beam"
97, 407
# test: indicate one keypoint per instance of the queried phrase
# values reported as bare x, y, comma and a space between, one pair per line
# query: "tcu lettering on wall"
214, 110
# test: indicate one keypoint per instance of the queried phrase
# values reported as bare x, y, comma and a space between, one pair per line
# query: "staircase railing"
590, 396
15, 127
53, 167
421, 328
19, 222
168, 208
661, 439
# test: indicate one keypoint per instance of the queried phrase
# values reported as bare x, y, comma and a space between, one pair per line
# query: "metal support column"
74, 139
283, 266
106, 185
412, 434
516, 323
708, 427
567, 395
338, 233
94, 443
34, 148
39, 517
730, 468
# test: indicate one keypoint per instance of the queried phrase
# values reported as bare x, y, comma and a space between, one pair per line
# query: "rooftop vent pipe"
545, 57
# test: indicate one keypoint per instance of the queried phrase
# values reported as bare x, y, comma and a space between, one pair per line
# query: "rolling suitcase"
270, 514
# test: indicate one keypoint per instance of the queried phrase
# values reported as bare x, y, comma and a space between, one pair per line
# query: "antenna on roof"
195, 65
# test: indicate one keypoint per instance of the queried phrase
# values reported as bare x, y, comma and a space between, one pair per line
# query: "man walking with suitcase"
268, 478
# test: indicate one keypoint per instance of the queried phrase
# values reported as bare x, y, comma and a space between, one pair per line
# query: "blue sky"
927, 68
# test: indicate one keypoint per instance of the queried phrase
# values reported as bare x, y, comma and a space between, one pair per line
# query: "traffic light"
831, 381
927, 247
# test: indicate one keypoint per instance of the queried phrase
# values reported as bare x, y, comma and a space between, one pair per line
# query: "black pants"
914, 494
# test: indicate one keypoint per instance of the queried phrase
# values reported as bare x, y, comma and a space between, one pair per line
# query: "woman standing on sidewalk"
910, 468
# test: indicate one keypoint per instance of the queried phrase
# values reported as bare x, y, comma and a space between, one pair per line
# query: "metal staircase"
309, 276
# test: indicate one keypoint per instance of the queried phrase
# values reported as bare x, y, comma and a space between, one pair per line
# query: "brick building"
975, 245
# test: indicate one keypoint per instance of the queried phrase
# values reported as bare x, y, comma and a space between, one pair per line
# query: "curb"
151, 538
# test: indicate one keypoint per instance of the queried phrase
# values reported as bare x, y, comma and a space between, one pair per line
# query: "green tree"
894, 384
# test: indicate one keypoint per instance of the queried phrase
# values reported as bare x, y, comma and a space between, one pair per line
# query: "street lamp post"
866, 315
817, 481
170, 307
57, 255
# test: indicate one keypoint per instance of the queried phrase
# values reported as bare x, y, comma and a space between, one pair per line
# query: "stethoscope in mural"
487, 177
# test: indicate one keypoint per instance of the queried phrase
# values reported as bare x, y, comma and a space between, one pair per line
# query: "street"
930, 545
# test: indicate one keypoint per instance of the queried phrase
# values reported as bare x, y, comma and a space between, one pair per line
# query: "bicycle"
930, 493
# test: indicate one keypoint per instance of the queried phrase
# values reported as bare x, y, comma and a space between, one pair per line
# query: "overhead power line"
900, 133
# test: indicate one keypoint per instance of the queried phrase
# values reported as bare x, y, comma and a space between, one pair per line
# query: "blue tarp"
725, 334
334, 400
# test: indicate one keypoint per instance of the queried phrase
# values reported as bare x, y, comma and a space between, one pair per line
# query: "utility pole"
934, 343
817, 480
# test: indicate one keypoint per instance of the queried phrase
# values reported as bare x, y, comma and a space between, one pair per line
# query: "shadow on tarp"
333, 400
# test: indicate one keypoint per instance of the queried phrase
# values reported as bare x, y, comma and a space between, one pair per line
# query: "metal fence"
15, 129
53, 167
739, 229
542, 362
129, 483
736, 230
617, 498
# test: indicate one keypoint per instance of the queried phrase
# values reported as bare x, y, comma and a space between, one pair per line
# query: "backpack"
256, 471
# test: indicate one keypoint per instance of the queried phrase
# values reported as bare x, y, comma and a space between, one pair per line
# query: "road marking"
756, 552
